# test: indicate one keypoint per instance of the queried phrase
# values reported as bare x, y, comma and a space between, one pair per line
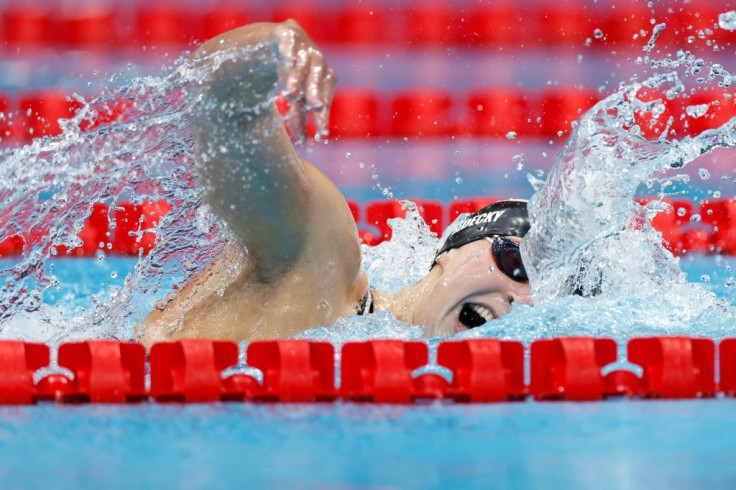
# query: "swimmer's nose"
524, 297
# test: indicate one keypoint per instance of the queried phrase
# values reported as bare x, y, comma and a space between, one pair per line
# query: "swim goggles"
507, 255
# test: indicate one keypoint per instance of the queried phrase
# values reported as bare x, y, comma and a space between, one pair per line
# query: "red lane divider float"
135, 225
381, 371
416, 113
486, 370
105, 371
293, 370
190, 370
570, 368
675, 367
377, 371
500, 25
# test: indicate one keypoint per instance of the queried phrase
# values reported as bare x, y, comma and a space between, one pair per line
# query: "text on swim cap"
489, 217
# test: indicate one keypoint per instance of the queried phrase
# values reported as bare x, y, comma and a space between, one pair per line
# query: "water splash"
589, 234
48, 189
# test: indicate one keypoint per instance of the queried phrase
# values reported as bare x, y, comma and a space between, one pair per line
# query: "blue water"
81, 277
611, 444
675, 444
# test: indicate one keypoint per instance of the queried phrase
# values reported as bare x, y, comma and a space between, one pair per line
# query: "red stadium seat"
27, 25
41, 113
105, 371
93, 29
495, 112
354, 113
570, 367
560, 108
222, 19
377, 213
362, 24
675, 367
422, 112
381, 370
484, 370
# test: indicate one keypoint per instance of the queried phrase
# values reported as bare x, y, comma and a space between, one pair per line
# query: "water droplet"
697, 110
348, 155
113, 275
511, 135
681, 212
716, 194
695, 218
458, 180
727, 20
598, 33
705, 278
704, 174
361, 165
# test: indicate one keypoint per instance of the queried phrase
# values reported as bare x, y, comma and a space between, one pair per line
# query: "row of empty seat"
380, 371
134, 229
505, 24
492, 112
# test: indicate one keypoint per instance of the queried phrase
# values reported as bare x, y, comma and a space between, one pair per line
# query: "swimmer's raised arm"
252, 176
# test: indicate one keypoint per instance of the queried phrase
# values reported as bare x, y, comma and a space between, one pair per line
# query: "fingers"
296, 119
320, 89
308, 83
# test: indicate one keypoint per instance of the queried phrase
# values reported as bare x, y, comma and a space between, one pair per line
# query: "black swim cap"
502, 218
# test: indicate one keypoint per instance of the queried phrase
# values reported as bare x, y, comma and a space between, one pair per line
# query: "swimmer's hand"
306, 80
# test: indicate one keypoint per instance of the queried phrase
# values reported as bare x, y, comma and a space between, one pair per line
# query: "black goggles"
507, 255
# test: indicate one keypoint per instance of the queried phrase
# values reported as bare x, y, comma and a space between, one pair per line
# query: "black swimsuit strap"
366, 303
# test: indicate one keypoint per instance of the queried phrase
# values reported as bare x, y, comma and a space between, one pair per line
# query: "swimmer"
298, 262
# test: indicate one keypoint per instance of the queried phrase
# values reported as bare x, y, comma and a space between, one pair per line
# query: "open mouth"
474, 315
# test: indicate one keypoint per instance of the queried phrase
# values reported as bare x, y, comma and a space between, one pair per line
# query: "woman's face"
472, 290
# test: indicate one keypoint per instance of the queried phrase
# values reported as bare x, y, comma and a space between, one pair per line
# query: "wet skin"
471, 276
296, 264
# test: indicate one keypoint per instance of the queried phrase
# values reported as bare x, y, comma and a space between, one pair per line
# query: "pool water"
609, 444
613, 444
